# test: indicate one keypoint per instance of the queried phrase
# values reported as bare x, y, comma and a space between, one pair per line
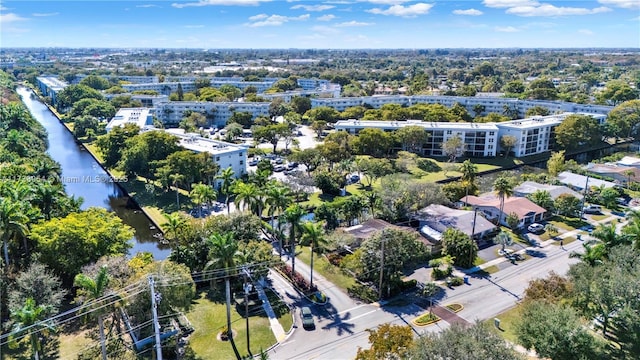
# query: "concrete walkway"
276, 327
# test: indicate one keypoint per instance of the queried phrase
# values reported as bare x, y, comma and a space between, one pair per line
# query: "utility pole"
584, 196
381, 269
156, 325
475, 215
247, 289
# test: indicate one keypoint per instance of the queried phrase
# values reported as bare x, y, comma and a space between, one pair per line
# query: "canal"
81, 169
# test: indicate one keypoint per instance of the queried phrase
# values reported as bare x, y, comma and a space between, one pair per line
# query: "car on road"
278, 160
278, 168
592, 209
307, 318
588, 228
535, 228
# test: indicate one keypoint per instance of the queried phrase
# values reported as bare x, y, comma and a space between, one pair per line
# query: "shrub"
426, 319
297, 280
456, 281
428, 165
334, 259
454, 307
439, 274
362, 292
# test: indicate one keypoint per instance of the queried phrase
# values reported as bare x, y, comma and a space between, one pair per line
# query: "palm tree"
175, 223
503, 187
468, 170
13, 224
90, 290
202, 194
551, 229
503, 238
592, 255
292, 216
249, 195
28, 320
373, 200
176, 179
278, 198
632, 232
629, 174
223, 253
45, 196
608, 235
312, 235
227, 177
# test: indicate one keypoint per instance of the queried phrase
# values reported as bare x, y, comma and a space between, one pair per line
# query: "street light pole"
584, 196
381, 269
247, 289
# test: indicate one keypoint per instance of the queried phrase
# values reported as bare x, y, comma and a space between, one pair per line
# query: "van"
592, 209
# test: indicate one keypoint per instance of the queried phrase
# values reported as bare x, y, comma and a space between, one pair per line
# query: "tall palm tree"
223, 254
629, 174
90, 290
469, 171
503, 187
13, 224
608, 235
45, 196
176, 179
28, 319
313, 235
202, 194
632, 232
292, 215
373, 201
249, 195
227, 176
46, 168
175, 223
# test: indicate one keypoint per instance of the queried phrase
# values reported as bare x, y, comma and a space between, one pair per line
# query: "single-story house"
529, 187
526, 210
367, 229
620, 173
578, 182
435, 219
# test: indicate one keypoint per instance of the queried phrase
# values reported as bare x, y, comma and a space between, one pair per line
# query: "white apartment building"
222, 153
481, 139
218, 113
146, 100
534, 135
165, 88
50, 86
139, 116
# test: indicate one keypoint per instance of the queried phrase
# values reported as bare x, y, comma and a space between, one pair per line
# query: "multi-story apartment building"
139, 116
218, 113
50, 86
222, 153
533, 135
165, 88
481, 140
146, 100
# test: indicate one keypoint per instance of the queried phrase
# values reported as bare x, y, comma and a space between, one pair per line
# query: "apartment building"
50, 86
139, 116
218, 113
146, 100
165, 88
222, 153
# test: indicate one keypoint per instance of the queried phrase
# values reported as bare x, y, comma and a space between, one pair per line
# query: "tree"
512, 220
39, 284
556, 163
616, 92
454, 147
542, 89
313, 236
300, 104
293, 216
537, 111
373, 168
373, 141
245, 119
567, 204
112, 144
174, 225
223, 254
319, 126
577, 131
202, 194
92, 289
227, 177
477, 341
629, 174
310, 158
72, 93
503, 239
468, 170
552, 289
412, 138
478, 109
95, 82
249, 196
86, 236
13, 224
387, 342
29, 321
626, 118
542, 198
503, 187
555, 332
508, 142
460, 246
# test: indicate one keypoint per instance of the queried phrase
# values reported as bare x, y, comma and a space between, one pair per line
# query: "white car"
535, 228
254, 161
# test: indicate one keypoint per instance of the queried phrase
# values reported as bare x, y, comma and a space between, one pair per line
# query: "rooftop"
579, 181
518, 205
438, 218
197, 143
53, 82
529, 187
138, 116
426, 124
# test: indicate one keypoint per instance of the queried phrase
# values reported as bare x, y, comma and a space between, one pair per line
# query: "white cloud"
509, 3
404, 11
10, 17
147, 6
551, 10
585, 32
3, 8
509, 29
353, 23
469, 12
219, 2
386, 2
274, 20
313, 7
45, 14
326, 30
627, 4
327, 17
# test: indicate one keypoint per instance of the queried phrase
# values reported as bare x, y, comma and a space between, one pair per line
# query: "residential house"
435, 219
580, 182
526, 210
619, 173
629, 161
529, 187
367, 229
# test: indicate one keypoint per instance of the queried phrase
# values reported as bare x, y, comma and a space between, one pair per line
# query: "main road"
341, 325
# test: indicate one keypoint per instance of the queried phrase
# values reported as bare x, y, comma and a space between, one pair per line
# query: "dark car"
292, 165
307, 318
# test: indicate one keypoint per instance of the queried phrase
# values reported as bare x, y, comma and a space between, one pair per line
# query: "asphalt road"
341, 324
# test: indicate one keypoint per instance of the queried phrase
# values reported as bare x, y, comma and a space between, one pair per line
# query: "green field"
322, 266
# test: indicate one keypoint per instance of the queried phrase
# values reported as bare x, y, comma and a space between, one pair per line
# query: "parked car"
254, 161
307, 318
291, 172
278, 168
279, 160
536, 228
592, 209
292, 165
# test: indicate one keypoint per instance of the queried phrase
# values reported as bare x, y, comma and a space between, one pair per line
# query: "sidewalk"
276, 327
541, 245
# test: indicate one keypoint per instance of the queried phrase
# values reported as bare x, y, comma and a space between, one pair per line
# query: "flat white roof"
197, 143
425, 124
138, 116
535, 121
53, 82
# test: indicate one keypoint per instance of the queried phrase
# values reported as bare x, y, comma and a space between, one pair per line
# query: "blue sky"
320, 24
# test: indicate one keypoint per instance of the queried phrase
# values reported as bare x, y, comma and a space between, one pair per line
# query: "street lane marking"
359, 316
353, 308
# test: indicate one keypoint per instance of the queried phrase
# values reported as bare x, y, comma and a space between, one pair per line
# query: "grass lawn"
322, 266
599, 217
71, 344
567, 223
565, 241
488, 270
478, 261
507, 324
209, 318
